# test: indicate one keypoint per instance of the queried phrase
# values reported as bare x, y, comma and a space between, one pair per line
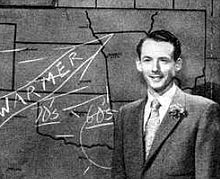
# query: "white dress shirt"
164, 101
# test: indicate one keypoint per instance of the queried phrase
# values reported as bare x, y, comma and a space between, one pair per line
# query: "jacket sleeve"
118, 167
207, 151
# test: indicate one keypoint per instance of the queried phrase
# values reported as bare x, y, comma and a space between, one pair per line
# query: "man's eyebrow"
164, 57
146, 57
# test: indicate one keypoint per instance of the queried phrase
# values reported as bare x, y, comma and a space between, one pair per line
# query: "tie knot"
155, 105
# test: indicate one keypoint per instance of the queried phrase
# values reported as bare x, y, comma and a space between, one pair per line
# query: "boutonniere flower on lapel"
177, 111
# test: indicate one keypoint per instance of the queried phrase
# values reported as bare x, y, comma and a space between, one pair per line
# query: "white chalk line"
34, 60
86, 171
67, 136
72, 107
99, 125
48, 123
13, 50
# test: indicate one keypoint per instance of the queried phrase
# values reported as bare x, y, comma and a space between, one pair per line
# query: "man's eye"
146, 59
164, 60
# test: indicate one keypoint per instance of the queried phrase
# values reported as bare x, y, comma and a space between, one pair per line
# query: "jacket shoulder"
201, 106
199, 100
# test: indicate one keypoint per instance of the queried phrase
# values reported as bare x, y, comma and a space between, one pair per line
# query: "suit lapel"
134, 142
167, 126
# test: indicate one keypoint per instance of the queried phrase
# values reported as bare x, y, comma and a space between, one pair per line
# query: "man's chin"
156, 86
159, 88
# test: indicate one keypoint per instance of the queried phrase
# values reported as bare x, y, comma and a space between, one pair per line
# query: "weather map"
65, 73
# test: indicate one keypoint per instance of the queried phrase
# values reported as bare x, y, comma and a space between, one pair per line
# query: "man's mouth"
156, 77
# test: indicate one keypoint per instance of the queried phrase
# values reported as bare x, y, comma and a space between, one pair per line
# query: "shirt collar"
166, 98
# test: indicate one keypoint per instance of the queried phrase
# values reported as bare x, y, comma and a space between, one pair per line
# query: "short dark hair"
161, 36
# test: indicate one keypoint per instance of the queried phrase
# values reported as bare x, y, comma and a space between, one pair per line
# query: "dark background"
39, 27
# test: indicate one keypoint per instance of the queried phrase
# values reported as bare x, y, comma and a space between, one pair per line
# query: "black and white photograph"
109, 89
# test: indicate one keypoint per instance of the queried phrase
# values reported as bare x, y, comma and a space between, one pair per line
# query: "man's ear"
178, 64
138, 65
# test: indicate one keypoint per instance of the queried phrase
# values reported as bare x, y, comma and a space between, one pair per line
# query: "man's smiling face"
157, 65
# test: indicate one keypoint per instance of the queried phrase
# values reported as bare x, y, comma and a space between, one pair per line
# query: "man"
179, 137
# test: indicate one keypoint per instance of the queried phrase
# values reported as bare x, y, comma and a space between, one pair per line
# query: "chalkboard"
64, 74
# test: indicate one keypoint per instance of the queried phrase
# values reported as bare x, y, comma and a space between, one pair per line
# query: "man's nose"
155, 66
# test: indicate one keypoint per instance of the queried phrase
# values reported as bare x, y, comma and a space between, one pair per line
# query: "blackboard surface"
64, 74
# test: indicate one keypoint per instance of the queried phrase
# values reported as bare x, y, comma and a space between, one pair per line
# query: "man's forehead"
152, 46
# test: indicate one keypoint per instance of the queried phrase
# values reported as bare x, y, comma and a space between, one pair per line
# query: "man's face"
157, 65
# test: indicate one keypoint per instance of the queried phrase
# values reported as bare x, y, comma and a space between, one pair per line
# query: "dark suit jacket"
187, 147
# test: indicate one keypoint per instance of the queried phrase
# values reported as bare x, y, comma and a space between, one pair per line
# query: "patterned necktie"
152, 125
